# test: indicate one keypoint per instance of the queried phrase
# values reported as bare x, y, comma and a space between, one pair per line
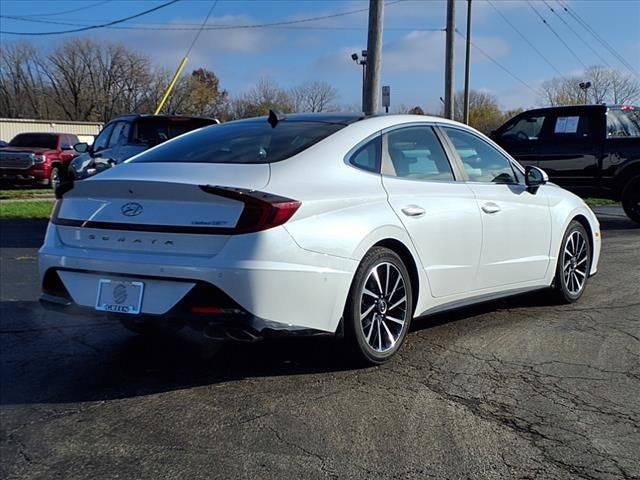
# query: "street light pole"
363, 62
585, 86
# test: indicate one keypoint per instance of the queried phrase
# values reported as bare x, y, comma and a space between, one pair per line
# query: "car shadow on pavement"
52, 358
61, 359
22, 233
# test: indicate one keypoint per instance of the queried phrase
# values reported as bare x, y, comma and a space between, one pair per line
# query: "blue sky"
413, 51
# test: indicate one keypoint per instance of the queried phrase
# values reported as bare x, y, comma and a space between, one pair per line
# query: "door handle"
490, 208
413, 211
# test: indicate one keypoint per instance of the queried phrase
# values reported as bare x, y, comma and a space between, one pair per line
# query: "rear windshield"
36, 140
253, 141
151, 131
624, 122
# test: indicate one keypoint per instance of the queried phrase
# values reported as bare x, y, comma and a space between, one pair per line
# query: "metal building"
10, 127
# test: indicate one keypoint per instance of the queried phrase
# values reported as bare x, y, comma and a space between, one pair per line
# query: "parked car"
592, 150
126, 136
314, 223
37, 158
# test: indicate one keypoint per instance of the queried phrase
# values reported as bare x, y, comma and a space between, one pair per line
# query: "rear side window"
367, 157
244, 141
415, 152
623, 123
571, 126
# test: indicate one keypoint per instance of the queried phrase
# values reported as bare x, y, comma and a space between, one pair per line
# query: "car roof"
348, 118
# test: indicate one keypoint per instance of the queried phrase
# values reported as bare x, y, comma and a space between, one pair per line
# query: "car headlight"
38, 158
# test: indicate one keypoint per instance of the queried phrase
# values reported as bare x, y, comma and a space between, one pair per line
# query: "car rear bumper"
277, 285
238, 326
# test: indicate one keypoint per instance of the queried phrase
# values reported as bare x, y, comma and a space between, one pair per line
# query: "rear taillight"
261, 211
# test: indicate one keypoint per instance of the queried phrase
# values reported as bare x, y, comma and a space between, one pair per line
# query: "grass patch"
26, 209
25, 193
599, 202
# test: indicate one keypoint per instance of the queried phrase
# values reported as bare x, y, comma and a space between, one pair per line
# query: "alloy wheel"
575, 262
383, 307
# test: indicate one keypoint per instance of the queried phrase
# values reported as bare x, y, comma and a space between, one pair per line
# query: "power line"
597, 36
92, 27
283, 23
502, 67
524, 38
195, 39
577, 34
556, 34
193, 26
86, 7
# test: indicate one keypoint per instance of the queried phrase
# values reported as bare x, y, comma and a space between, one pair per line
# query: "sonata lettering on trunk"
133, 240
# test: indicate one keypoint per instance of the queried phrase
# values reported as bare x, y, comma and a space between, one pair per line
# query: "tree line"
85, 80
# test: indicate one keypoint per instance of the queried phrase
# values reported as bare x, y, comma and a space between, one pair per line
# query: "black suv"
126, 136
592, 150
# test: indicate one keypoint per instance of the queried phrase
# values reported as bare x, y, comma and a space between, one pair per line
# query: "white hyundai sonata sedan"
314, 223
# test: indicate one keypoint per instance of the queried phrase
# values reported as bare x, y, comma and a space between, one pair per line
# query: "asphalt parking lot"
519, 388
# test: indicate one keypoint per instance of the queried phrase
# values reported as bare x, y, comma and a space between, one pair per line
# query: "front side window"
120, 134
243, 141
101, 142
65, 142
524, 129
481, 161
415, 152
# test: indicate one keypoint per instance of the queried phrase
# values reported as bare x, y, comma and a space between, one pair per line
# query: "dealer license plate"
118, 296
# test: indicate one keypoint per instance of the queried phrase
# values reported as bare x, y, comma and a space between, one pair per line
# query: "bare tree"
313, 97
22, 90
265, 96
607, 86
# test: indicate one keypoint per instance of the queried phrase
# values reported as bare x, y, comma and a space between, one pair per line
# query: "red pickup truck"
36, 158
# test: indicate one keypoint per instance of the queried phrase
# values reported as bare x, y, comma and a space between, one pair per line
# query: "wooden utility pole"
449, 59
374, 57
467, 65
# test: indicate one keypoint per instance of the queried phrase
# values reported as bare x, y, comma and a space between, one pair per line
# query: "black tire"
149, 327
374, 334
631, 199
55, 177
574, 263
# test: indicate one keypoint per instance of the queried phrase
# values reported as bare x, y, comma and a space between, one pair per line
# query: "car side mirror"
81, 147
534, 177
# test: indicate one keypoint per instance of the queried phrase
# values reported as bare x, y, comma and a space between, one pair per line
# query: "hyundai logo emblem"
131, 209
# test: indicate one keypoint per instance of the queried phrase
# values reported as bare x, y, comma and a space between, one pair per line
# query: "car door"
438, 211
516, 222
571, 147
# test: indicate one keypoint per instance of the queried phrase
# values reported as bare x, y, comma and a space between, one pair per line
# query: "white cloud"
424, 51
